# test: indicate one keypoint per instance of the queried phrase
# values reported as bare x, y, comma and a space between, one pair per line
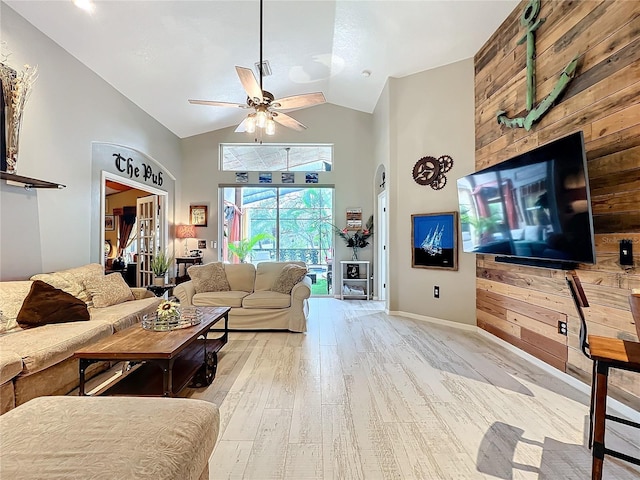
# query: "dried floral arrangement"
16, 87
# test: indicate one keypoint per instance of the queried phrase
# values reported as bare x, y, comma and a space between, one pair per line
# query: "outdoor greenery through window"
251, 157
280, 224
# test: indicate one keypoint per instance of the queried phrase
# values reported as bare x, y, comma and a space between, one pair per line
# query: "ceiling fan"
266, 109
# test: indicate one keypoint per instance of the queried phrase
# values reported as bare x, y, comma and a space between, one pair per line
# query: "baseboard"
619, 407
439, 321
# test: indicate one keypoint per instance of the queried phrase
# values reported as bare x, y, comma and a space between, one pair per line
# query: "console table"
186, 262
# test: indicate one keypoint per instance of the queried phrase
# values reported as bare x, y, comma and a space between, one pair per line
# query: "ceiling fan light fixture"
261, 118
270, 127
250, 124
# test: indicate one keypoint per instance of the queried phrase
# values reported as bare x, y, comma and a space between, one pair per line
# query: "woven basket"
185, 317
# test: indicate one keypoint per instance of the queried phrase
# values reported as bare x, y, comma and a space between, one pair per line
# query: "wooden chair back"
634, 301
580, 301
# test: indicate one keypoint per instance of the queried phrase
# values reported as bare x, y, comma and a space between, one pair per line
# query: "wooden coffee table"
164, 362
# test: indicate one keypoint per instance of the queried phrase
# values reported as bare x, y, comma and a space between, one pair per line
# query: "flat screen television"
535, 206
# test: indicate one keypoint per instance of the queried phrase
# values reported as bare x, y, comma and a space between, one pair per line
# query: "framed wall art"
109, 223
198, 215
434, 240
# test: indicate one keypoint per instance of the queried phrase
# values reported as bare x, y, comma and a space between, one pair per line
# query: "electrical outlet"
436, 292
562, 328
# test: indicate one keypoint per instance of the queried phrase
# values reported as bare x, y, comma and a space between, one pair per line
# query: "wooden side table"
186, 262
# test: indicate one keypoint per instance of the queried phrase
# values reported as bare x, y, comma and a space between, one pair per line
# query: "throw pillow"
46, 304
289, 276
109, 290
209, 277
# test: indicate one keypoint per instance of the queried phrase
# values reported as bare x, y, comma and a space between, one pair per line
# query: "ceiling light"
261, 118
86, 5
366, 73
270, 127
250, 123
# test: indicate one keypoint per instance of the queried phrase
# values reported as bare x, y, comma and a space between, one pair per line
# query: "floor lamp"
186, 232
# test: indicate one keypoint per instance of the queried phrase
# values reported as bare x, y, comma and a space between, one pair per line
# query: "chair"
606, 353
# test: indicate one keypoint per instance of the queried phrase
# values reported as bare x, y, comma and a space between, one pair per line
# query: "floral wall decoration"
16, 87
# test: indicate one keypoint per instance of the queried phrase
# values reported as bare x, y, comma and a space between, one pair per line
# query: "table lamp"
186, 232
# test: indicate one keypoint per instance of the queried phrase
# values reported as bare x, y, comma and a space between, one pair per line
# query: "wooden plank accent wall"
521, 304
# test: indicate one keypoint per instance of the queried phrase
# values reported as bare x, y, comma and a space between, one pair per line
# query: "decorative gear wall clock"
431, 170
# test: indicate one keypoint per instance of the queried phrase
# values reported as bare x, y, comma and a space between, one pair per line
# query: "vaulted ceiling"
159, 54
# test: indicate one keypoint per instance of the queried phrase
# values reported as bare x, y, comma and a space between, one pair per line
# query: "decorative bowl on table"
171, 316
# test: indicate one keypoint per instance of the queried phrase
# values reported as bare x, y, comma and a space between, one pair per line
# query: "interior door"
151, 235
382, 245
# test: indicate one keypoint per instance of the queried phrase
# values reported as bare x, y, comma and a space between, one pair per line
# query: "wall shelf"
27, 182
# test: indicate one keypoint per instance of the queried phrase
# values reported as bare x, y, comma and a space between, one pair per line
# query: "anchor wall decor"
528, 20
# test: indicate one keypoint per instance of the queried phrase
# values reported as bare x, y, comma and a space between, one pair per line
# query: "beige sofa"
253, 305
37, 361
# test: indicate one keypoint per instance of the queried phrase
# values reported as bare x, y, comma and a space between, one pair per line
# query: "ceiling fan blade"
250, 84
298, 101
288, 121
218, 104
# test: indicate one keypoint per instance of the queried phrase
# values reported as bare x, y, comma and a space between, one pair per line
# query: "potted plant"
242, 248
159, 266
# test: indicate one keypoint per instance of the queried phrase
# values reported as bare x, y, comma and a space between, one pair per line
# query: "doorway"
122, 229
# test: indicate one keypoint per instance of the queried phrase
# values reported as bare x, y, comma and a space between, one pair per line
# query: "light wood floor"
364, 395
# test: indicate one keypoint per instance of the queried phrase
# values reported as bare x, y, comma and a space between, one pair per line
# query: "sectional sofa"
37, 361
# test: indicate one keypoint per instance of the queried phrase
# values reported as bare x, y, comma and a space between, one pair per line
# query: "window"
271, 157
280, 224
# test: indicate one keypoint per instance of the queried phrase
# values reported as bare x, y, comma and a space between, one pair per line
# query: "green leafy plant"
160, 264
242, 248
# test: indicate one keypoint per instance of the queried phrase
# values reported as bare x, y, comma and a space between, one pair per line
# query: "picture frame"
434, 240
354, 218
109, 223
288, 177
311, 177
198, 215
353, 271
202, 244
264, 177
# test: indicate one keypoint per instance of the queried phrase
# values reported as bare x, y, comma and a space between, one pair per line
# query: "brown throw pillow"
46, 304
209, 278
289, 276
109, 290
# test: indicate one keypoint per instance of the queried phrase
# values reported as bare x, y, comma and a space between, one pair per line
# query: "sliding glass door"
280, 224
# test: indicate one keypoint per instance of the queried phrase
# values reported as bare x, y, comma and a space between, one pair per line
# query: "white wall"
431, 113
350, 132
70, 106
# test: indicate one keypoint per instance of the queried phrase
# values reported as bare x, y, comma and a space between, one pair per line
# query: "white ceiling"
159, 54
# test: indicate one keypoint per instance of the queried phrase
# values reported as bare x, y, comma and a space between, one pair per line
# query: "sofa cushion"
267, 272
209, 278
46, 304
73, 280
241, 276
124, 315
48, 345
231, 298
289, 276
109, 290
10, 365
12, 294
267, 299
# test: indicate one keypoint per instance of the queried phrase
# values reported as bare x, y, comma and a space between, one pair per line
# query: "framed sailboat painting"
434, 240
